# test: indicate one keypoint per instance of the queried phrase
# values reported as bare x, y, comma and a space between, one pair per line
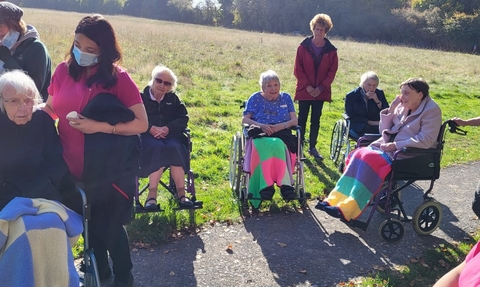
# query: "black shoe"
126, 283
288, 192
314, 152
267, 193
185, 203
103, 274
151, 204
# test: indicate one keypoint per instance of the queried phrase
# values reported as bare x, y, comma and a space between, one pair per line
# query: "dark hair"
417, 84
99, 30
17, 25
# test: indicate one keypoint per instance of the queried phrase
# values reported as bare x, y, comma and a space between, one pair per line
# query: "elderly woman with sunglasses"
164, 144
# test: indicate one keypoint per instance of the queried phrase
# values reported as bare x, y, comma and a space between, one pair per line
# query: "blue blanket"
36, 238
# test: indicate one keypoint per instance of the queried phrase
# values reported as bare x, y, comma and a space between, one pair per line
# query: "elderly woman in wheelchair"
270, 115
36, 230
413, 120
164, 144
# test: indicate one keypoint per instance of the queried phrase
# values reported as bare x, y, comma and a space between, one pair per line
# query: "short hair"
100, 31
22, 83
323, 20
160, 69
370, 75
266, 77
417, 84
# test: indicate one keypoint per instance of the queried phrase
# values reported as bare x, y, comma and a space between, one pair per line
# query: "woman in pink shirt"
91, 69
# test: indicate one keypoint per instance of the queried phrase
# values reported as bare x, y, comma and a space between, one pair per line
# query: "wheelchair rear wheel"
235, 170
337, 141
392, 230
427, 217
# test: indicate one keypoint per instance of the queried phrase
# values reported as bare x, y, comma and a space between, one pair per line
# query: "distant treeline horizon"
434, 24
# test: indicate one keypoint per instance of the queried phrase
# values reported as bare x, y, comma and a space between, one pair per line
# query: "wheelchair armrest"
345, 116
416, 151
367, 139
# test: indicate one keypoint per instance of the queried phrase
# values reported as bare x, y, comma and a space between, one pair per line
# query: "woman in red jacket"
316, 64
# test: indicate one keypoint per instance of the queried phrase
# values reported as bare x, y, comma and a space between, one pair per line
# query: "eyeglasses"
160, 81
17, 102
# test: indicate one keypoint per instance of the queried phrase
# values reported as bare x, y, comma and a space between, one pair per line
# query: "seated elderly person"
412, 120
164, 144
363, 106
270, 115
36, 231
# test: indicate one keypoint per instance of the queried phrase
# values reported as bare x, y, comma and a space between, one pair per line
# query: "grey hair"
370, 75
160, 69
266, 77
22, 83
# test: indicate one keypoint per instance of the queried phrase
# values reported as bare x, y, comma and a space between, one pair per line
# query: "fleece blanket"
366, 170
269, 162
36, 236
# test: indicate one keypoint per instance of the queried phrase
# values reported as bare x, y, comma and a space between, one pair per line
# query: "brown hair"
323, 20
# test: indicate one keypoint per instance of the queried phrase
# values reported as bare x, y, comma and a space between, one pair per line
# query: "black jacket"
31, 162
170, 112
359, 112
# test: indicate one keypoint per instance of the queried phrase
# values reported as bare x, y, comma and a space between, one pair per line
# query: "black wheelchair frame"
428, 215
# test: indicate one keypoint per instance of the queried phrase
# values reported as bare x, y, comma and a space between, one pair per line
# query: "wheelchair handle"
453, 128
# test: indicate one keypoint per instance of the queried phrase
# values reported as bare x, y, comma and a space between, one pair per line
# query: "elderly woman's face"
18, 107
271, 89
410, 98
319, 31
162, 84
370, 85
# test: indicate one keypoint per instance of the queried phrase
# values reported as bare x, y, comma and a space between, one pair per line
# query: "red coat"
315, 71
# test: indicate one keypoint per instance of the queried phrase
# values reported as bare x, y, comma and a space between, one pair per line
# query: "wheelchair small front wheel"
392, 230
427, 217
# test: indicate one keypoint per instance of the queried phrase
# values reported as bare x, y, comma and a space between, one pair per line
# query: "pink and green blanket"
269, 162
366, 170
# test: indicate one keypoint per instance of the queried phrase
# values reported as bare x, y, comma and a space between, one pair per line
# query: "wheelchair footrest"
196, 205
140, 209
355, 223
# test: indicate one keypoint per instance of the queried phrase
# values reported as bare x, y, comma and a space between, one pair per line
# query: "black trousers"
303, 110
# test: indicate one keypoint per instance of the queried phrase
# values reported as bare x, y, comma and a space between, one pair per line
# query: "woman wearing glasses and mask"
99, 138
164, 144
270, 114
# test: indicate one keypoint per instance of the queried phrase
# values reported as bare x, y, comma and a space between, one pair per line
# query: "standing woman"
91, 69
316, 64
21, 48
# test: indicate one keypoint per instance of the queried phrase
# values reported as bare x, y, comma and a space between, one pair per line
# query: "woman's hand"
459, 121
372, 96
159, 132
88, 126
268, 129
395, 103
388, 147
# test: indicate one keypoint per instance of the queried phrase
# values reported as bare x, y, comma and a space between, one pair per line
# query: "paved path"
309, 249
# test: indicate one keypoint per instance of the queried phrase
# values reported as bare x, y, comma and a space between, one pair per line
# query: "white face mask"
10, 39
84, 59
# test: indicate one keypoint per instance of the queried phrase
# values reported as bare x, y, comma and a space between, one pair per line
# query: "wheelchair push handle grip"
453, 128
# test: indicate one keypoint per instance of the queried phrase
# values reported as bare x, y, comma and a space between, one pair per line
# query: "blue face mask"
10, 39
84, 59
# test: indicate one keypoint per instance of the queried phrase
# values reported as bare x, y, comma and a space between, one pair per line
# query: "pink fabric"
419, 130
69, 95
470, 276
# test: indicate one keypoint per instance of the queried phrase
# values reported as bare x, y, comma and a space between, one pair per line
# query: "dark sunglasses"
160, 81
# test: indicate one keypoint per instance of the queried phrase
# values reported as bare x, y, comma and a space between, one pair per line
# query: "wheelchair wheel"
381, 205
336, 141
392, 230
235, 170
427, 217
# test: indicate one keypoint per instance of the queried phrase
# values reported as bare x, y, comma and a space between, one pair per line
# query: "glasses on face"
165, 83
15, 102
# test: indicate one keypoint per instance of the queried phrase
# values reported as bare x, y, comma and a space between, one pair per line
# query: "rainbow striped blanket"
269, 162
36, 238
366, 170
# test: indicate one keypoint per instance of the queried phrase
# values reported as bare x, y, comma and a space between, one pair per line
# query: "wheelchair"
171, 188
421, 164
342, 141
239, 178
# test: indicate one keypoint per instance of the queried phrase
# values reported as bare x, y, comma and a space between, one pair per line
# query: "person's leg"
317, 107
119, 250
101, 255
303, 108
178, 176
153, 180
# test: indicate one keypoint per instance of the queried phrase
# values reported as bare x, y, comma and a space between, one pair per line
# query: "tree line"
437, 24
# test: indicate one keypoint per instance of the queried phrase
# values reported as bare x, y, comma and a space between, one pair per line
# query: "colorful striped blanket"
36, 238
267, 165
366, 170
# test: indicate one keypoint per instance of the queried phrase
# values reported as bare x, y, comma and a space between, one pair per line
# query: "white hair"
370, 75
160, 69
21, 83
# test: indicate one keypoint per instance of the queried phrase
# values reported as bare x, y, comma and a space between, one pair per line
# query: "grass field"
219, 68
